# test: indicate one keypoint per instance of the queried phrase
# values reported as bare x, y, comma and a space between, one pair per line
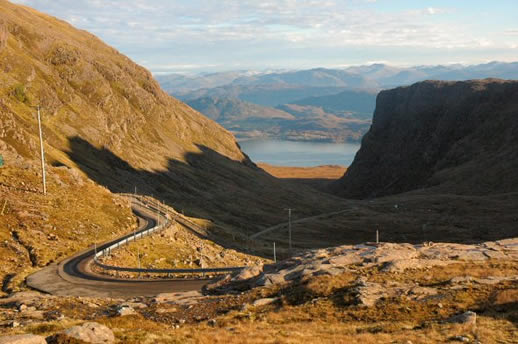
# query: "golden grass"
317, 172
177, 247
38, 229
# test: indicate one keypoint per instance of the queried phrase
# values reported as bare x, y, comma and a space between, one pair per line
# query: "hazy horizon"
285, 70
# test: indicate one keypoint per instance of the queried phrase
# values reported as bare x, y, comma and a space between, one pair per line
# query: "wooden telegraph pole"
289, 226
42, 154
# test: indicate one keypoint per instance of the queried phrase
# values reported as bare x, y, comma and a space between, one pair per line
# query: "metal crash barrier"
141, 234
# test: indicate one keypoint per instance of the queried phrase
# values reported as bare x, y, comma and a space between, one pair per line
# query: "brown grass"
316, 310
317, 172
38, 229
177, 247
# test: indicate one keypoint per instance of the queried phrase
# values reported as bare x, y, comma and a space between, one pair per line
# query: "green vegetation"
20, 94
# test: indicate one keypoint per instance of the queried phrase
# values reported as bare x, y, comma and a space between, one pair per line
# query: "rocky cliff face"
457, 137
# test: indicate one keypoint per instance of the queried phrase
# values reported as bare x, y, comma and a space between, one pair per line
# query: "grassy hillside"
107, 119
88, 89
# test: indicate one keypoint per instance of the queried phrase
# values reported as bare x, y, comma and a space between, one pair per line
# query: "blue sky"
215, 35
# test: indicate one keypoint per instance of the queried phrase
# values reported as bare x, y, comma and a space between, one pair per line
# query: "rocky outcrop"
386, 257
459, 137
90, 332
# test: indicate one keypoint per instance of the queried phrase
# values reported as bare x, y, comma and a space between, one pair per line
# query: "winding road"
74, 276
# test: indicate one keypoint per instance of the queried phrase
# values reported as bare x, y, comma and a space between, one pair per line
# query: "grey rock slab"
389, 252
91, 332
265, 301
32, 314
400, 265
422, 293
270, 279
248, 273
472, 255
468, 318
509, 243
494, 254
23, 339
368, 293
125, 310
24, 298
135, 305
332, 271
461, 279
179, 298
347, 259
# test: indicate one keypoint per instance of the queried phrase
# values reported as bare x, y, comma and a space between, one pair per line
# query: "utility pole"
289, 226
274, 253
138, 256
158, 212
377, 236
42, 154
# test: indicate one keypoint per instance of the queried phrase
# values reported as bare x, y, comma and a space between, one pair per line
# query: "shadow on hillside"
177, 186
245, 200
207, 185
320, 184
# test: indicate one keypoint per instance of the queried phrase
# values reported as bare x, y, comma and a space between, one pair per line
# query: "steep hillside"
457, 137
108, 118
88, 89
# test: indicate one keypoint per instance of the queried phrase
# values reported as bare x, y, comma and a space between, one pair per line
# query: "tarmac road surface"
74, 277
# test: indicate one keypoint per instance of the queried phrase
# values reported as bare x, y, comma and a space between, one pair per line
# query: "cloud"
301, 22
186, 29
433, 11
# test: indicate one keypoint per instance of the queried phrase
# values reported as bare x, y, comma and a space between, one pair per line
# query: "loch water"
300, 154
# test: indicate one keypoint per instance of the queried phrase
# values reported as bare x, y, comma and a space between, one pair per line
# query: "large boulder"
90, 332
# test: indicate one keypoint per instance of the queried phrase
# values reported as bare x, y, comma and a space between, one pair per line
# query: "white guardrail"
141, 234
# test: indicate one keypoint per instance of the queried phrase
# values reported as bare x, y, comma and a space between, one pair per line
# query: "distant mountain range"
368, 76
308, 119
323, 102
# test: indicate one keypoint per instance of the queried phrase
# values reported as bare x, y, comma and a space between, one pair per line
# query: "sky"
191, 36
